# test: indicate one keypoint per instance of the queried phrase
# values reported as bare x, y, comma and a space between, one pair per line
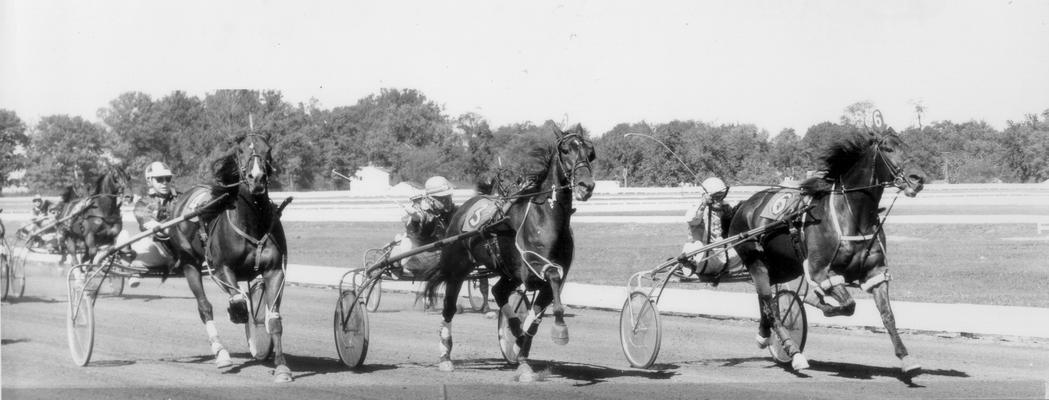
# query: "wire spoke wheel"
639, 330
507, 341
351, 329
18, 272
792, 316
260, 343
5, 275
477, 293
80, 318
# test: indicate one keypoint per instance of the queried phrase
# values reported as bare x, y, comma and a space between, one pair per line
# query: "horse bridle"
898, 180
584, 162
256, 157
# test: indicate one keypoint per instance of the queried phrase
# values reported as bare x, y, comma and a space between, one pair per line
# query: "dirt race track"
150, 344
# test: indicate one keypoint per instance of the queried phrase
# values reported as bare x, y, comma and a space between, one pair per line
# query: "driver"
150, 211
429, 213
425, 221
705, 226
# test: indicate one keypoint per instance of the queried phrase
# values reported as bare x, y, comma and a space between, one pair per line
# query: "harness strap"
259, 244
837, 224
548, 264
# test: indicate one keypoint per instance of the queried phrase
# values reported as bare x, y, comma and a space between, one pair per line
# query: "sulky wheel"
792, 316
5, 275
477, 293
639, 330
80, 318
507, 341
260, 343
18, 273
351, 329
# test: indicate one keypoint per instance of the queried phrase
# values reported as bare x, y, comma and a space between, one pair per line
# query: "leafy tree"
1025, 148
12, 138
66, 151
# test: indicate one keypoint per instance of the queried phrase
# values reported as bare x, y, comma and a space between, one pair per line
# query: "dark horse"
838, 242
95, 220
533, 246
244, 241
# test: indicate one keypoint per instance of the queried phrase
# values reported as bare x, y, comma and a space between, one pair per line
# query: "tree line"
406, 132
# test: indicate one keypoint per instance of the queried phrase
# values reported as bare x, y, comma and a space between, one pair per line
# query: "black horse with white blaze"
533, 245
839, 242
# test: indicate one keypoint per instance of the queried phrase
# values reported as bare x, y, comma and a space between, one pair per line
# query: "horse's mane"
225, 173
841, 154
68, 194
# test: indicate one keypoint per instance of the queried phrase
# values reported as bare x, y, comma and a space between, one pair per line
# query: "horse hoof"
910, 367
238, 310
559, 333
222, 359
489, 315
763, 342
281, 374
525, 373
445, 366
799, 362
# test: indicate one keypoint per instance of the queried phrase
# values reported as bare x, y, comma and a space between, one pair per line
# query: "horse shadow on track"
866, 372
839, 369
305, 366
581, 374
146, 298
5, 342
33, 299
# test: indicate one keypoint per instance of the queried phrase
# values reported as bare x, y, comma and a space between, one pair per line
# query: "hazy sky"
778, 64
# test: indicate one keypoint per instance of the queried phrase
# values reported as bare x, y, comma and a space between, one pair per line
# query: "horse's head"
891, 166
255, 160
574, 154
877, 158
116, 182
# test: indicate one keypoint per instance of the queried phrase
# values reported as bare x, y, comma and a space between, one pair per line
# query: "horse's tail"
68, 194
434, 278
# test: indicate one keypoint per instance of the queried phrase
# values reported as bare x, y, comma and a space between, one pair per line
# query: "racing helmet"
157, 169
38, 198
438, 186
714, 185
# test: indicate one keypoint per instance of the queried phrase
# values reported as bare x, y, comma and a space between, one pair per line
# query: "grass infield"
929, 263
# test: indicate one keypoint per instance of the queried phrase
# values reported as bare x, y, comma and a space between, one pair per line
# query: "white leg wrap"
529, 320
216, 347
273, 324
213, 334
445, 345
446, 330
875, 281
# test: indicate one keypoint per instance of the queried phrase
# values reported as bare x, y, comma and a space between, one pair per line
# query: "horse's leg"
452, 284
483, 286
238, 303
531, 324
881, 299
196, 285
558, 331
759, 273
501, 292
274, 283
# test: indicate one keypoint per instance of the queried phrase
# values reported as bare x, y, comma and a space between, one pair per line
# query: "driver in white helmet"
151, 210
427, 217
705, 226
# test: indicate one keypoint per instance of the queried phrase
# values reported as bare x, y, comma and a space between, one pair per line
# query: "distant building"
370, 179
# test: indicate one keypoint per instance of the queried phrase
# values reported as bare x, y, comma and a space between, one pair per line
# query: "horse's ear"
557, 131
